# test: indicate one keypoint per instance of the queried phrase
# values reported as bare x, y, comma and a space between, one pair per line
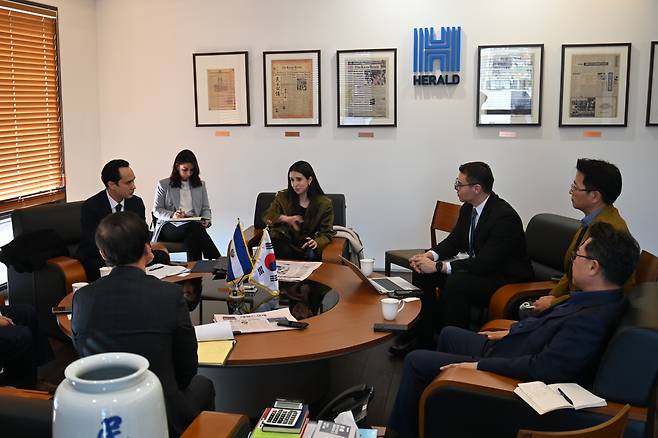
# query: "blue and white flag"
239, 262
264, 273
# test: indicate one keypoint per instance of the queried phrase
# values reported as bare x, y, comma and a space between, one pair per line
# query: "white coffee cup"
105, 270
76, 286
391, 307
367, 266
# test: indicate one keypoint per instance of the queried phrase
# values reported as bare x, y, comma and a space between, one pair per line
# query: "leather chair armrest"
24, 393
159, 246
497, 324
501, 299
332, 252
71, 270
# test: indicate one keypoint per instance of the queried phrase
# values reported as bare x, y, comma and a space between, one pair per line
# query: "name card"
222, 133
366, 135
592, 134
292, 134
507, 134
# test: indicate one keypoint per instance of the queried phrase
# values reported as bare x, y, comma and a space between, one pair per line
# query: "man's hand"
467, 365
5, 322
425, 266
543, 303
294, 221
495, 335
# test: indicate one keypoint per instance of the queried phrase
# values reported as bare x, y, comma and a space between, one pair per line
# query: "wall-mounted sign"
446, 50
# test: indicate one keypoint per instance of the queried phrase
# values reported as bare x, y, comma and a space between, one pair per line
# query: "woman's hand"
178, 214
205, 223
310, 243
294, 221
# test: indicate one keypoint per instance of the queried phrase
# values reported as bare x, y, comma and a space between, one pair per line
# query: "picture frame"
221, 88
652, 94
509, 85
292, 88
366, 87
594, 85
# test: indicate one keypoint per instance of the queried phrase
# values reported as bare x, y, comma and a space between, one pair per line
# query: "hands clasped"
423, 263
294, 221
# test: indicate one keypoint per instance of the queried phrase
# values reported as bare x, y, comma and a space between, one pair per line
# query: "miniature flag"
264, 273
239, 263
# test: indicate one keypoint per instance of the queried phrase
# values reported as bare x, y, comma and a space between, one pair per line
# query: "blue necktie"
471, 237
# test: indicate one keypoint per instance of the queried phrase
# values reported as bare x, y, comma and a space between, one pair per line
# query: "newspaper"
292, 89
594, 85
221, 89
292, 271
366, 87
161, 271
257, 322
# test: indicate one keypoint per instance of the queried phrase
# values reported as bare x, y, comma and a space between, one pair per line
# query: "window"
31, 153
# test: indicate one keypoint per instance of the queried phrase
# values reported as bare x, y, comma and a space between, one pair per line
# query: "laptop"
383, 285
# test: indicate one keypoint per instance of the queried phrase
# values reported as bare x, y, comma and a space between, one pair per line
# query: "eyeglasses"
575, 188
459, 185
575, 254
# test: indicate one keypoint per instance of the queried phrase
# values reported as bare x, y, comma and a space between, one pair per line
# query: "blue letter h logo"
428, 49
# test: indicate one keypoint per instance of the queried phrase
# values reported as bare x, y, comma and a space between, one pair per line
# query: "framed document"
221, 89
510, 83
594, 84
292, 88
652, 99
367, 87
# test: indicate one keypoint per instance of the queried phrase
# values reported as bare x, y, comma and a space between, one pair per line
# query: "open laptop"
383, 285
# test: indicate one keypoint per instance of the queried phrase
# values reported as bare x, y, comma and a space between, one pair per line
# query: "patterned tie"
118, 208
471, 237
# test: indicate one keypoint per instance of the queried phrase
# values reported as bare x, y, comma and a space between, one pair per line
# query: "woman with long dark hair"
183, 195
301, 217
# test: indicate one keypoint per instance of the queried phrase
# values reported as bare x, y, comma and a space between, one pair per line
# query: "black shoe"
403, 345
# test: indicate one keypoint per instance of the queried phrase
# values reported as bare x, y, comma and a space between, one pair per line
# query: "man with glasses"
595, 188
562, 345
485, 250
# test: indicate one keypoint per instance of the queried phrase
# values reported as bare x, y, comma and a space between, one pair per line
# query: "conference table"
291, 363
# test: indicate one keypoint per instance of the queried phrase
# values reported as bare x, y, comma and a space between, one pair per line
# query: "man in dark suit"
119, 195
564, 344
133, 312
490, 240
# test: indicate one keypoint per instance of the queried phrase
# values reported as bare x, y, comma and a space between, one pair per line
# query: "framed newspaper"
221, 89
594, 84
367, 87
291, 82
510, 85
652, 98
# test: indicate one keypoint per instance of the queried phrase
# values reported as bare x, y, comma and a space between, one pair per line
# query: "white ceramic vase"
107, 394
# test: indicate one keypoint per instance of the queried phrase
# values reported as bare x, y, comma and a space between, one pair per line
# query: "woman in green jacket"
301, 217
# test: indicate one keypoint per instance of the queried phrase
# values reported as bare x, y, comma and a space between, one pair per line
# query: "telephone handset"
353, 399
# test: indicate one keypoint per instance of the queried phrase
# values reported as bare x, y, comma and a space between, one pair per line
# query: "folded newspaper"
257, 322
292, 271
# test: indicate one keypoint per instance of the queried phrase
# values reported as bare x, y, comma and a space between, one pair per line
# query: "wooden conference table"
347, 327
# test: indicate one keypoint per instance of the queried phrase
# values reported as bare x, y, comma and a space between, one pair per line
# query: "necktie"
471, 237
118, 208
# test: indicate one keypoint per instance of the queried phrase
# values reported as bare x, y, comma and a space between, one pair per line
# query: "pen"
156, 268
565, 396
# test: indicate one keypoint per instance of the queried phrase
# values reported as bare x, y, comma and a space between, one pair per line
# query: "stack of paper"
546, 398
215, 342
292, 272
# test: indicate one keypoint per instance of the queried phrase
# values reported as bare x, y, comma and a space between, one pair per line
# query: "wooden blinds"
31, 165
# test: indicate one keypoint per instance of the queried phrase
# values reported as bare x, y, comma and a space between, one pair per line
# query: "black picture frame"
652, 94
588, 110
372, 83
315, 118
518, 101
225, 108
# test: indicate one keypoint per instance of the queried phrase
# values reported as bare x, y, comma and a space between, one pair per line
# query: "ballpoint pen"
156, 268
565, 396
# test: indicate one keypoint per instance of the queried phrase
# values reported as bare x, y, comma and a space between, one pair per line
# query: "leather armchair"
45, 287
25, 413
332, 252
627, 373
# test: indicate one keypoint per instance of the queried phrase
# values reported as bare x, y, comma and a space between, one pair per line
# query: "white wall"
146, 107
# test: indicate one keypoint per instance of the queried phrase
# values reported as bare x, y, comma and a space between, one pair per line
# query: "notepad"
214, 352
546, 398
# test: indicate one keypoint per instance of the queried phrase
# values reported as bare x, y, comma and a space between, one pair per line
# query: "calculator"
282, 417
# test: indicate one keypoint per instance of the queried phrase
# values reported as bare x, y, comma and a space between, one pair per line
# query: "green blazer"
610, 215
318, 220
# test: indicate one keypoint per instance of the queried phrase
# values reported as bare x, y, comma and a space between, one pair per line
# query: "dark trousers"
459, 292
92, 265
198, 396
22, 347
422, 366
194, 236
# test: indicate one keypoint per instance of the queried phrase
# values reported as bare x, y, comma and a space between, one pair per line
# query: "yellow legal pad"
214, 352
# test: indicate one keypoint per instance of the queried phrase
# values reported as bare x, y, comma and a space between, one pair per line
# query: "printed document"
292, 271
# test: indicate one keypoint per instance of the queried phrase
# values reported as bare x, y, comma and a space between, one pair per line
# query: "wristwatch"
439, 267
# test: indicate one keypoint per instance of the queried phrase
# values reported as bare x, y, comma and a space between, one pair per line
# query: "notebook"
382, 285
546, 398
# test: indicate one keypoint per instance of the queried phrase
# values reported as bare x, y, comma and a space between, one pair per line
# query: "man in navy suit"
563, 344
119, 195
489, 236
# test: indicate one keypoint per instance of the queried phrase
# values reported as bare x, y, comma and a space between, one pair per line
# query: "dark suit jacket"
132, 312
92, 213
500, 248
564, 344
